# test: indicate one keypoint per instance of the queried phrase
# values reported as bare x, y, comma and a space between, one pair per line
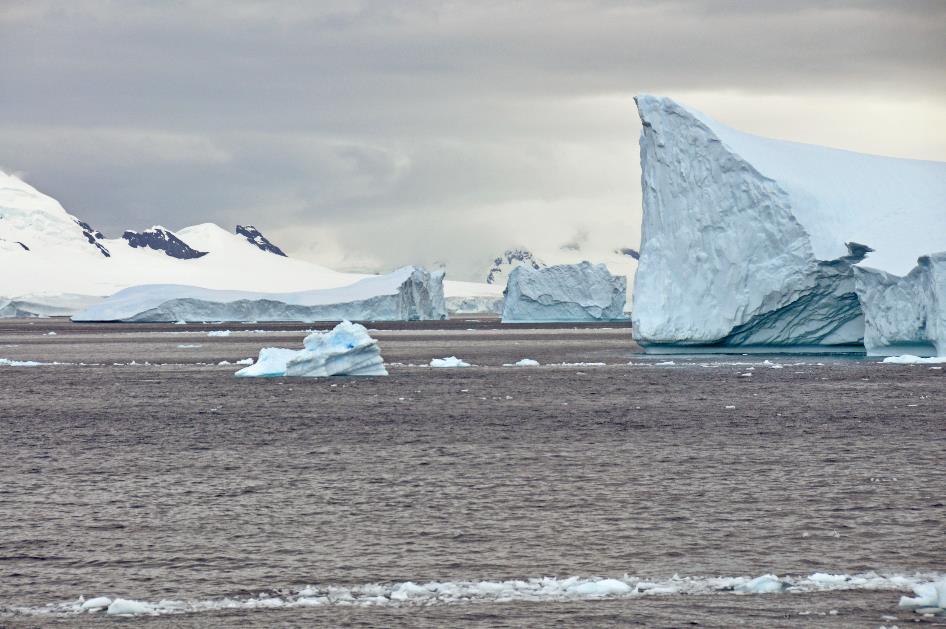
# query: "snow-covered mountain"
46, 252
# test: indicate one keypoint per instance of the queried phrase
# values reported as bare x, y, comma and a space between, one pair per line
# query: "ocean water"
651, 493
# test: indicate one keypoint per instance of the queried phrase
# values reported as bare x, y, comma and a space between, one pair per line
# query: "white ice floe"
449, 361
99, 602
928, 595
908, 359
536, 590
565, 292
766, 584
7, 362
525, 362
126, 607
753, 242
346, 350
219, 333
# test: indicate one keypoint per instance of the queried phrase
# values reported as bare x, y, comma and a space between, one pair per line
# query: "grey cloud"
368, 123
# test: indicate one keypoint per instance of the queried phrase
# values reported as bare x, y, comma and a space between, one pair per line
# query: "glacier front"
408, 294
565, 292
753, 244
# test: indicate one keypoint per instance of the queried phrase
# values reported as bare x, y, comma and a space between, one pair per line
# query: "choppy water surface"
489, 496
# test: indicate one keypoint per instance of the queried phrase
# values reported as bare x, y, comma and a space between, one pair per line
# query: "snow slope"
752, 242
407, 294
61, 255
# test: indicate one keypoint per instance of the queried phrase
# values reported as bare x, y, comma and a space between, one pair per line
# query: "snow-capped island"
59, 265
753, 244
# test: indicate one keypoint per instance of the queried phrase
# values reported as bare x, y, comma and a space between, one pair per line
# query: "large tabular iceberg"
566, 292
347, 350
408, 294
751, 243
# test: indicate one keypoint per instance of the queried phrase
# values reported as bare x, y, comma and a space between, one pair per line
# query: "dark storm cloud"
330, 117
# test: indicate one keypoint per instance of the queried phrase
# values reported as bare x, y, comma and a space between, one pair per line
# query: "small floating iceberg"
449, 361
928, 596
347, 350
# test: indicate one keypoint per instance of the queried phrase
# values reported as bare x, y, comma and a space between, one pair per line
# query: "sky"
368, 135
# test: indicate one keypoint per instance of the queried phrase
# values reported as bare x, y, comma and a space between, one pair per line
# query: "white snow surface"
346, 350
61, 260
406, 294
534, 590
449, 361
564, 292
749, 241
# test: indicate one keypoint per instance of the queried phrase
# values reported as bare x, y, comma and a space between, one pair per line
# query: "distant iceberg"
43, 305
565, 292
347, 350
757, 244
408, 294
475, 305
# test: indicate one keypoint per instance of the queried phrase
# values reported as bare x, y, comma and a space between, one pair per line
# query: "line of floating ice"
545, 589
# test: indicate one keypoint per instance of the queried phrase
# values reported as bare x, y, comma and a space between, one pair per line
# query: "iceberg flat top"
137, 299
895, 206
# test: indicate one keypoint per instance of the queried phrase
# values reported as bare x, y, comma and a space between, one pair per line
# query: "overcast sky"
365, 135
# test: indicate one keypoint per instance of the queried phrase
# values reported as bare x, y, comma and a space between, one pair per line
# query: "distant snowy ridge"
408, 294
751, 242
56, 254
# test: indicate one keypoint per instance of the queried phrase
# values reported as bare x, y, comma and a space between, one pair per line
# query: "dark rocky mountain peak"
160, 239
254, 237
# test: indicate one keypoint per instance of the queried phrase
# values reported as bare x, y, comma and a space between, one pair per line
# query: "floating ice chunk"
219, 333
604, 587
927, 595
766, 584
347, 350
525, 362
666, 363
908, 359
6, 362
126, 607
245, 361
97, 603
449, 361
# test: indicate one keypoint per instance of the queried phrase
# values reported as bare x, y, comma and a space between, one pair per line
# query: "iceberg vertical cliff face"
749, 242
565, 292
905, 315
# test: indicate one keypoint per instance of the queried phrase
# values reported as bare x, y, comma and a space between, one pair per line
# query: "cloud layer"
371, 134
